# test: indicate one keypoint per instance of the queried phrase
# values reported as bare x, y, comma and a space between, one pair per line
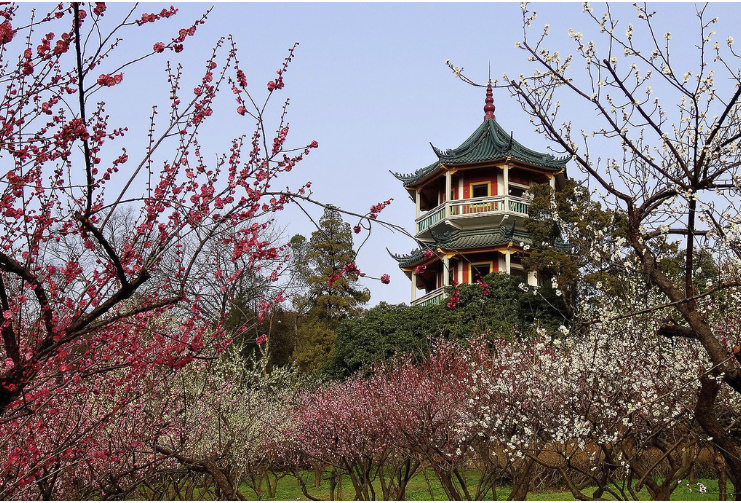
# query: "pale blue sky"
369, 83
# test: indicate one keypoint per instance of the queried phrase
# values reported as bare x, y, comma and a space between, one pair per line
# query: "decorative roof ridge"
516, 145
406, 178
402, 176
444, 236
469, 144
508, 232
415, 254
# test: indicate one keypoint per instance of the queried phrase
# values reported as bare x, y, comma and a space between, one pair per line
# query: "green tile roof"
465, 240
489, 142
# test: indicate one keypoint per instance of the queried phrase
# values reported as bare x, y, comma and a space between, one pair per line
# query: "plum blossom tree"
662, 144
226, 415
90, 308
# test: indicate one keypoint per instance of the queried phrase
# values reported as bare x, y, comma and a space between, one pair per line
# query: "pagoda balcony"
458, 211
433, 298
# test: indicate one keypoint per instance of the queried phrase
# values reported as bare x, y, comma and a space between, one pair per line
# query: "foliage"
315, 343
330, 296
278, 325
383, 332
498, 307
570, 215
582, 270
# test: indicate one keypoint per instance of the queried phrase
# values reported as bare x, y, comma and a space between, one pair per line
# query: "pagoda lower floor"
435, 269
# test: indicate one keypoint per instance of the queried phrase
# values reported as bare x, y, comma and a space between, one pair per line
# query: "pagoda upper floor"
480, 181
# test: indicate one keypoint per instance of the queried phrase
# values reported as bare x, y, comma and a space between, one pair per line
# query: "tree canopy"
497, 307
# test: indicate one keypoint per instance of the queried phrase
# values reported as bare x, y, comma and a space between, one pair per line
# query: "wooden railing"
431, 218
431, 299
464, 208
476, 205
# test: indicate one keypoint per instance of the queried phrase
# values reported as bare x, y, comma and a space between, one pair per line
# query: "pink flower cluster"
45, 45
62, 44
454, 296
385, 279
454, 299
110, 80
99, 9
241, 79
27, 66
350, 268
377, 208
484, 287
278, 83
6, 32
279, 139
151, 18
275, 84
261, 339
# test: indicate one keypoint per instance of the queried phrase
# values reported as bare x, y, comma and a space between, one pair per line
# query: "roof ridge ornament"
489, 107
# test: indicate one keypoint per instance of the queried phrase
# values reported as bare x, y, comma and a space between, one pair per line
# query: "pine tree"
329, 298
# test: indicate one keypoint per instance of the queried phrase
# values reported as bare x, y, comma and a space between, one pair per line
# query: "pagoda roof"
490, 142
466, 240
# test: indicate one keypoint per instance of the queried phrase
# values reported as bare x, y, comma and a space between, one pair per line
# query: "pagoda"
470, 207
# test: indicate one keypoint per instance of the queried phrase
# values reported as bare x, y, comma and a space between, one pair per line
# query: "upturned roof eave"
412, 184
467, 240
497, 140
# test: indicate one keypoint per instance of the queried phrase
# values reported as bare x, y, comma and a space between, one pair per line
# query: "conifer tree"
330, 297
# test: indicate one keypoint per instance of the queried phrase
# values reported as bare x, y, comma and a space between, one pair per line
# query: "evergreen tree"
586, 272
332, 290
496, 308
571, 215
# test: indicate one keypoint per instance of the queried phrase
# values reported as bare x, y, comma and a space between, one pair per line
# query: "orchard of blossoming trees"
117, 378
603, 416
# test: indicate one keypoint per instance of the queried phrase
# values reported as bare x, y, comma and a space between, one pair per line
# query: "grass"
418, 490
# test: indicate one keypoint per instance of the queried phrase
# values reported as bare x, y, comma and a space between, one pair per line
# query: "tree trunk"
720, 466
318, 475
521, 481
705, 414
332, 484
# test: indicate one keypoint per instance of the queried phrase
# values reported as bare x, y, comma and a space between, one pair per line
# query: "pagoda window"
480, 189
452, 272
478, 271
